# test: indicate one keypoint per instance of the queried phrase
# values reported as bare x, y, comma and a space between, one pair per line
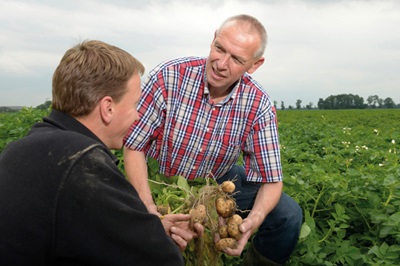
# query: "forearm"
267, 197
136, 171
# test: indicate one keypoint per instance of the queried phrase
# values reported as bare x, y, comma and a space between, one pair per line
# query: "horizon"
278, 106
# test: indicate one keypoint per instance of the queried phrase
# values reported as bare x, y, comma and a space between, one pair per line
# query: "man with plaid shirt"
198, 115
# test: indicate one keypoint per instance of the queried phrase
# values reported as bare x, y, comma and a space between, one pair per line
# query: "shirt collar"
231, 95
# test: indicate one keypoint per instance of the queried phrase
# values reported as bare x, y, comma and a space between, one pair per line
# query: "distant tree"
44, 106
380, 102
374, 101
389, 103
282, 105
290, 107
342, 101
321, 103
309, 106
370, 101
275, 104
4, 109
298, 104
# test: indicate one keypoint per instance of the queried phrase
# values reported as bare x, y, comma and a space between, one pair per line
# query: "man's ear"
106, 106
256, 65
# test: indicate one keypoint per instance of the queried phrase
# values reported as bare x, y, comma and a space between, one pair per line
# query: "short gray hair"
254, 25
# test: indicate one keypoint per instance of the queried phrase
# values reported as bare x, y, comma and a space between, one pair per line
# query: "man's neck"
219, 94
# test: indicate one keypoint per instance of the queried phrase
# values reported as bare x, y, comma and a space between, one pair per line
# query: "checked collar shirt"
191, 136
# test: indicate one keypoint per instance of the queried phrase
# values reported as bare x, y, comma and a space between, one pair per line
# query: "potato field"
341, 166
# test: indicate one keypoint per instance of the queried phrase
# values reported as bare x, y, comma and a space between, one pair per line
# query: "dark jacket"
63, 201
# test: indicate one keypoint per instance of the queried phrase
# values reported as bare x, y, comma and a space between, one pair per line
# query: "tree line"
341, 101
345, 101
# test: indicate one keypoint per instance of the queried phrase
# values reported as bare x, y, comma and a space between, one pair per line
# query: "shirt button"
200, 150
207, 129
194, 167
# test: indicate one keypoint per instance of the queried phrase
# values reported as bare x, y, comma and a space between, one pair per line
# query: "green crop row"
16, 125
343, 168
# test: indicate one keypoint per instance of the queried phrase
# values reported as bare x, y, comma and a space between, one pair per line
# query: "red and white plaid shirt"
191, 136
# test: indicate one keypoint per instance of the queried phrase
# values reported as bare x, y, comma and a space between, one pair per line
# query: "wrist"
256, 217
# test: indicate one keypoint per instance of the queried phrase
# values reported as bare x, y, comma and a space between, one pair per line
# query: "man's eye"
217, 48
236, 60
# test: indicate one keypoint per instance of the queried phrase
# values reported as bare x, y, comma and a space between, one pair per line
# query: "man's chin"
212, 82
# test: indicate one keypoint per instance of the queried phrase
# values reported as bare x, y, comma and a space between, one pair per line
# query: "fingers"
246, 228
199, 229
233, 252
183, 233
217, 237
170, 220
178, 217
179, 241
240, 246
182, 221
221, 220
177, 226
181, 236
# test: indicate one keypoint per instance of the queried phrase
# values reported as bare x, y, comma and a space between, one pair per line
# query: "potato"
225, 243
233, 226
225, 207
163, 209
197, 215
236, 218
223, 231
228, 186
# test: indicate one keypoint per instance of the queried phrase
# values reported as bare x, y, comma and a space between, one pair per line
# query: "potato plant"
16, 125
343, 168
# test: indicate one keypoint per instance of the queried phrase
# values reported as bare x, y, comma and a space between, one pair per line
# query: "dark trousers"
278, 234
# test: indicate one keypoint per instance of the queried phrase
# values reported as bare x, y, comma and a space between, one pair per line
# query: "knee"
295, 212
286, 213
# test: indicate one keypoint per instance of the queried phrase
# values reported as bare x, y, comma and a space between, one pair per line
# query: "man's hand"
246, 228
177, 226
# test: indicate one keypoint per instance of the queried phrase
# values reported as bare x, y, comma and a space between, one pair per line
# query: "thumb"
245, 226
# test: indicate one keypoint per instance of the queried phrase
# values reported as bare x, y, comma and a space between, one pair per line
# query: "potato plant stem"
390, 196
317, 201
172, 185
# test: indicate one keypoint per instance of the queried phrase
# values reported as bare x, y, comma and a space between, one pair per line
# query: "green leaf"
304, 231
384, 248
182, 183
385, 231
390, 180
394, 220
339, 209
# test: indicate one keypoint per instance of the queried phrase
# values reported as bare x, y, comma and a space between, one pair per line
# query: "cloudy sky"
316, 48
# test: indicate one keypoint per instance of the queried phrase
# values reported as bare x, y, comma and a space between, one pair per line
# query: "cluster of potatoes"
226, 207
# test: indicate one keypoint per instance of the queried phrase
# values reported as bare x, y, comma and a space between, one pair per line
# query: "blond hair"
90, 71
